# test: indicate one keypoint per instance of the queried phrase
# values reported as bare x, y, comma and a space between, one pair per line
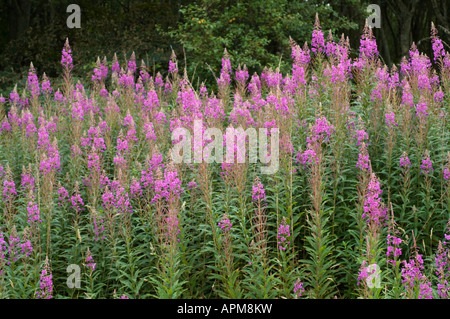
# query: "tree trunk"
19, 18
405, 33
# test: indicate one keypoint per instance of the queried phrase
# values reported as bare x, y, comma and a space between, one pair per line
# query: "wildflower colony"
359, 206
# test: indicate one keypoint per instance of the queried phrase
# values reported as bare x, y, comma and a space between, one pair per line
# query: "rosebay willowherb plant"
350, 199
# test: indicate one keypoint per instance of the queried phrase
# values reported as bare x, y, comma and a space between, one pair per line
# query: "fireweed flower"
45, 85
90, 263
424, 83
27, 181
50, 162
9, 189
258, 191
368, 50
392, 248
390, 119
2, 246
76, 200
126, 80
225, 74
284, 235
99, 72
132, 63
66, 59
438, 47
442, 270
148, 175
321, 131
33, 213
117, 199
14, 97
446, 171
14, 243
46, 284
151, 101
427, 164
421, 109
135, 188
404, 161
172, 67
63, 195
169, 187
438, 96
307, 157
99, 228
192, 185
361, 136
26, 248
94, 162
366, 271
318, 40
374, 211
225, 224
412, 277
241, 75
6, 126
33, 82
3, 251
59, 97
363, 159
298, 289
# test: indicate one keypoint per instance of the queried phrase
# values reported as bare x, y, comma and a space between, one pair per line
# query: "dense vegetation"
255, 32
362, 185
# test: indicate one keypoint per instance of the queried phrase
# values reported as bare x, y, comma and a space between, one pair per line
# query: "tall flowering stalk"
426, 169
33, 87
261, 285
45, 289
394, 252
416, 284
374, 214
284, 247
259, 219
318, 42
3, 252
365, 168
90, 266
224, 80
442, 266
319, 242
167, 189
67, 64
229, 275
446, 182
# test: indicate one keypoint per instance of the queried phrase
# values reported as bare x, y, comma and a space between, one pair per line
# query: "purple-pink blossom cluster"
404, 161
90, 262
46, 283
283, 235
374, 210
225, 224
427, 165
412, 277
33, 213
258, 192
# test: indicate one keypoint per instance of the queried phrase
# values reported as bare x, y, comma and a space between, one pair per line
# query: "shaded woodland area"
255, 32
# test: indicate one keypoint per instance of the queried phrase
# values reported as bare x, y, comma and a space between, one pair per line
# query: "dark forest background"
255, 32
